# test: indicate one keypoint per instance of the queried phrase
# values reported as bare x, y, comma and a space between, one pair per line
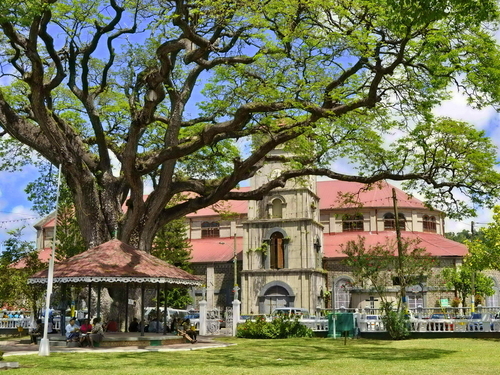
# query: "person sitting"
97, 333
134, 325
72, 331
189, 328
86, 327
155, 326
36, 332
184, 334
85, 330
111, 326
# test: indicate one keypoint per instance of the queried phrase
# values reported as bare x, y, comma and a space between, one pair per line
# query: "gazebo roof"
116, 262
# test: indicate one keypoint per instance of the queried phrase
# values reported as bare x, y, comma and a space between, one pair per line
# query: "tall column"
203, 318
210, 287
236, 314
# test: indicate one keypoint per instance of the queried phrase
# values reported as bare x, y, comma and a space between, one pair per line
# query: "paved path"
14, 347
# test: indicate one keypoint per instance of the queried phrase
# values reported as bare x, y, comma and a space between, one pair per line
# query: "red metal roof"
115, 259
207, 250
43, 256
329, 192
435, 244
379, 195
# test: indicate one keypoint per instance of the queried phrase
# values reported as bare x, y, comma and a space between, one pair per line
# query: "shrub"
396, 324
279, 328
1, 355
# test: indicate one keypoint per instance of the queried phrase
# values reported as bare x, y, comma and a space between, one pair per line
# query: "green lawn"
286, 357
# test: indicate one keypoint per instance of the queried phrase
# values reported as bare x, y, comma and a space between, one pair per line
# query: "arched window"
343, 293
429, 223
494, 300
352, 223
277, 210
209, 229
277, 251
390, 223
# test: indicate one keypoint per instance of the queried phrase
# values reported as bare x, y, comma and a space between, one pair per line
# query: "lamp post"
236, 302
44, 348
235, 271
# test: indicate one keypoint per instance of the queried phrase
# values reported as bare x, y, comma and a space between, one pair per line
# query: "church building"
286, 249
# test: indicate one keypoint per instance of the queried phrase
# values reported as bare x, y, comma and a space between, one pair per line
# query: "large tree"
191, 95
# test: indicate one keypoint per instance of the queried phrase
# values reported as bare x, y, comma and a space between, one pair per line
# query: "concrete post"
236, 314
203, 318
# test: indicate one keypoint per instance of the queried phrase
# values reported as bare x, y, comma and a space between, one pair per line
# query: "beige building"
287, 247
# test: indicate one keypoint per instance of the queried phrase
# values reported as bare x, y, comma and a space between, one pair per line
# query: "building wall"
305, 286
218, 283
434, 291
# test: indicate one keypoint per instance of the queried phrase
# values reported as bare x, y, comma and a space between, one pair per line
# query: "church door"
276, 296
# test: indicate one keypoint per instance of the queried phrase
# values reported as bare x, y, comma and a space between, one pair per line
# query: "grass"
285, 357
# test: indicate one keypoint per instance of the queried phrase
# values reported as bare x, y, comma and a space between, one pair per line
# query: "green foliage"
461, 281
69, 237
18, 262
376, 267
461, 237
191, 96
395, 322
281, 327
263, 248
484, 249
172, 245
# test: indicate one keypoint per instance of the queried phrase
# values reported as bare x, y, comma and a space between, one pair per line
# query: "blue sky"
14, 206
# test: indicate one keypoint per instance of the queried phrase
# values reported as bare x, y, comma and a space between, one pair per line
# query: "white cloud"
458, 109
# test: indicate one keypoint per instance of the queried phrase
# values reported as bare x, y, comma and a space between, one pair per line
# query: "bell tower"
282, 257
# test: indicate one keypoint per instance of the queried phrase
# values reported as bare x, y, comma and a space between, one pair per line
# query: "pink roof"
215, 249
435, 244
329, 193
380, 195
43, 256
239, 207
114, 260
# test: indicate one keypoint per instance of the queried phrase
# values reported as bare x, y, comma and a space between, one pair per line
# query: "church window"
352, 223
390, 223
277, 208
429, 223
277, 251
343, 294
209, 229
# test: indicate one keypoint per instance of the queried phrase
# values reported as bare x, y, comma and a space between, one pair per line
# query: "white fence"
13, 323
317, 325
436, 325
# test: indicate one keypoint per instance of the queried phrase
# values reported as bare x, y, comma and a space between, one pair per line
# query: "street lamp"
235, 264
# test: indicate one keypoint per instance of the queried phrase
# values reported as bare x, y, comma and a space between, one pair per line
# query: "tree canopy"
189, 96
484, 249
18, 262
461, 281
